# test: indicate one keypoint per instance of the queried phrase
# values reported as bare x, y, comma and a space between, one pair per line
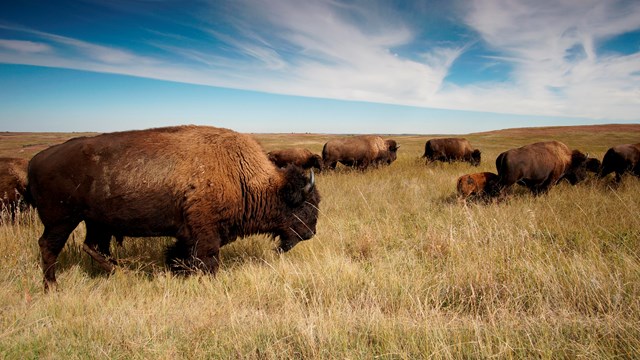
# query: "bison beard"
202, 185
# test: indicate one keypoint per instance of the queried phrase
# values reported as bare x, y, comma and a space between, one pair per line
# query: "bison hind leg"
97, 243
51, 244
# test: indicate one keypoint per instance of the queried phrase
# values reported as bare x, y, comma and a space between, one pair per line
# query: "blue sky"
331, 66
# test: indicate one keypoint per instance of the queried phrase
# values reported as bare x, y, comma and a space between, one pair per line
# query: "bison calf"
205, 186
477, 185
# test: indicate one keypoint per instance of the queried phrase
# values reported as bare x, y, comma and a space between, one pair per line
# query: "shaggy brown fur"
621, 159
359, 151
476, 185
451, 149
204, 186
13, 182
296, 156
541, 165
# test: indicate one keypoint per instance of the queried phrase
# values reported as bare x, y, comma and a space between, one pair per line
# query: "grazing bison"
13, 182
359, 151
451, 149
205, 186
541, 165
296, 156
621, 159
477, 185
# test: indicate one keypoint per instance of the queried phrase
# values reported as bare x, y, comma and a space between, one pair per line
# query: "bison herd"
207, 186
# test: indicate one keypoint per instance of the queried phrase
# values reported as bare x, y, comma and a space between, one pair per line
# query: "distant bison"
359, 151
13, 182
541, 165
204, 186
477, 185
621, 159
451, 149
296, 156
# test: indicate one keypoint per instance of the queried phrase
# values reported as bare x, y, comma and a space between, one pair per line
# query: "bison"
359, 151
13, 183
621, 159
451, 149
477, 185
297, 156
540, 165
204, 186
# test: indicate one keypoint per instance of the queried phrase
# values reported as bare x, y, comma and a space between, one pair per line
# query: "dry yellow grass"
399, 269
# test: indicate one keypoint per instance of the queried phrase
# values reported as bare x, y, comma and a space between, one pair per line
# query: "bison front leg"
202, 253
207, 256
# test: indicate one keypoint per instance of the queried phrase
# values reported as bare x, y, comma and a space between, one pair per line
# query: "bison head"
577, 170
315, 161
475, 157
593, 165
466, 185
392, 151
300, 213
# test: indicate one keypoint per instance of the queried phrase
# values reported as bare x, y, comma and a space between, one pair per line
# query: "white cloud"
557, 70
22, 46
330, 49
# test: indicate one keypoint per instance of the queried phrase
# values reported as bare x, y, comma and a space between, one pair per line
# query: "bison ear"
297, 187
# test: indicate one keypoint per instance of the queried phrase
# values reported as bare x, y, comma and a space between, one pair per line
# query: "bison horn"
312, 182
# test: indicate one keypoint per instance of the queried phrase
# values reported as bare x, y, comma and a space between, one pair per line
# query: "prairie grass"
399, 269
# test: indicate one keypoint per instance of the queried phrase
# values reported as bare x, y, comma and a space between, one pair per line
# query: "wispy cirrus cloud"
26, 47
553, 46
329, 49
374, 51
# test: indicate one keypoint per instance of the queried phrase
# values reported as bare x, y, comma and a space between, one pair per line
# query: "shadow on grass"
146, 256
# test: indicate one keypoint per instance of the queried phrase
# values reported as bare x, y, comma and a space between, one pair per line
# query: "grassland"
399, 269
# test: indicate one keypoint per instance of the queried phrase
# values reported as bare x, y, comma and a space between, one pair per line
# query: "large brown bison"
477, 185
359, 151
205, 186
13, 182
541, 165
621, 159
451, 149
296, 156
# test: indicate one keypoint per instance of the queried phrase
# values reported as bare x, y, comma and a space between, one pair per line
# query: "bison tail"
28, 198
427, 149
609, 162
499, 163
